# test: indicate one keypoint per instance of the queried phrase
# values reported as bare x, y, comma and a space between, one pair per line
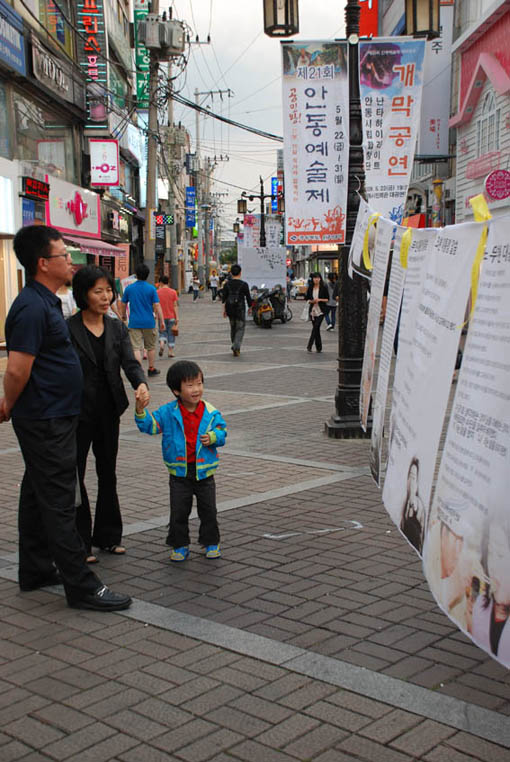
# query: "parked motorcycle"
262, 309
278, 299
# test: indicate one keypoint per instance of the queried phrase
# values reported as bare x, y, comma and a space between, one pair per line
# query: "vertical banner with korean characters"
467, 549
391, 80
381, 254
425, 373
394, 301
316, 141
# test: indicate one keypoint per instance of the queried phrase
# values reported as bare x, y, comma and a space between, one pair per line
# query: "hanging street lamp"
281, 18
422, 18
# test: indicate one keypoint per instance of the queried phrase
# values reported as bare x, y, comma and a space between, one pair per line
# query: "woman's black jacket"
118, 353
323, 294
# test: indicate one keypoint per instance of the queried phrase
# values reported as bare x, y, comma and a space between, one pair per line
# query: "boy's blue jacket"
167, 420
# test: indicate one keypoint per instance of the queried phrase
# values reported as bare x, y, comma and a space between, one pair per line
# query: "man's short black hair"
142, 271
86, 278
164, 280
235, 270
33, 242
182, 370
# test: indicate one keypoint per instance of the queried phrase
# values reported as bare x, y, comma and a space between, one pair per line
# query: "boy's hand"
205, 440
142, 397
139, 407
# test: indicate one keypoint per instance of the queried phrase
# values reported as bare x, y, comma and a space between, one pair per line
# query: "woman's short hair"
86, 278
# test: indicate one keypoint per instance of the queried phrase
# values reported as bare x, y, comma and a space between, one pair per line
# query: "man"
42, 394
143, 303
169, 301
234, 295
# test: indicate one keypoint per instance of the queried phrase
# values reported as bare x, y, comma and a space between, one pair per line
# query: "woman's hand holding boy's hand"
142, 397
205, 439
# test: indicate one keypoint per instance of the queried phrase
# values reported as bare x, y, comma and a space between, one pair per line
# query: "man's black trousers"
47, 514
182, 490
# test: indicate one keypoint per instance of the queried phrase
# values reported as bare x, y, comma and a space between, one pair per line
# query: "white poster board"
265, 266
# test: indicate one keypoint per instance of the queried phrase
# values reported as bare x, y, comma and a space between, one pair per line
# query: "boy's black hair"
86, 278
235, 270
164, 279
182, 370
33, 242
142, 271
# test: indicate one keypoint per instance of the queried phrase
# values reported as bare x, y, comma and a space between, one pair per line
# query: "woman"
317, 297
214, 280
332, 293
103, 346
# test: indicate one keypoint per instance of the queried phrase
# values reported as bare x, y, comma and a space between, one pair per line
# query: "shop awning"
95, 246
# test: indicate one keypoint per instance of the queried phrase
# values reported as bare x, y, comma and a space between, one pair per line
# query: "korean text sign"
391, 80
316, 141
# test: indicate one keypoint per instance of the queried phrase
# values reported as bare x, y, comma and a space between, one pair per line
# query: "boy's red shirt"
191, 423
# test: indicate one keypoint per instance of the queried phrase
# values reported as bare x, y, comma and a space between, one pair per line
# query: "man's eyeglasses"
53, 256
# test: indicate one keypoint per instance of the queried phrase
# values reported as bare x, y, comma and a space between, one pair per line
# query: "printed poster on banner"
272, 227
356, 250
394, 300
424, 374
391, 80
467, 549
316, 141
379, 254
263, 266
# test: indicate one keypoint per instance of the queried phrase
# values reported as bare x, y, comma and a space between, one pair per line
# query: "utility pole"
198, 191
174, 266
149, 253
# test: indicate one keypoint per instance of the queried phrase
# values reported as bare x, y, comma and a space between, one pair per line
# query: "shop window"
487, 135
53, 16
5, 143
43, 139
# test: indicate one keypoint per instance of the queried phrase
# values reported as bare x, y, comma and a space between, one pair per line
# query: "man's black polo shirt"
35, 325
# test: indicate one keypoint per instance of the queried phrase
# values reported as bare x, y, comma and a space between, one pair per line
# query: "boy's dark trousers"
182, 489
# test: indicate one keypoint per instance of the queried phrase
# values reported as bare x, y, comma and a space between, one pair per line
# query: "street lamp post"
241, 208
352, 293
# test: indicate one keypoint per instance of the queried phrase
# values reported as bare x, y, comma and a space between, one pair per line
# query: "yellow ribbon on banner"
366, 254
481, 214
404, 247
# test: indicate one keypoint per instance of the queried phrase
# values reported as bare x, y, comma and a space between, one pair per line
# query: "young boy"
192, 430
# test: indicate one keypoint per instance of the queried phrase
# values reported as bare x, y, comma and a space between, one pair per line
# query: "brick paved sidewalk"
313, 638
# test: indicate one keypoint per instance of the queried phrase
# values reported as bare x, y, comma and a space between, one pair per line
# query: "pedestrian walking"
65, 295
192, 430
143, 302
169, 300
214, 280
317, 297
330, 315
42, 393
236, 298
196, 287
103, 347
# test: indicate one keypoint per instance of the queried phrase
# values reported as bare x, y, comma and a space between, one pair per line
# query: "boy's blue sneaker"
179, 554
212, 551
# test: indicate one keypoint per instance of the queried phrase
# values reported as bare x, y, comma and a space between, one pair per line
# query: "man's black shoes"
53, 579
153, 372
103, 599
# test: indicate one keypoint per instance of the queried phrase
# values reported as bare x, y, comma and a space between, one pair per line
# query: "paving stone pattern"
318, 568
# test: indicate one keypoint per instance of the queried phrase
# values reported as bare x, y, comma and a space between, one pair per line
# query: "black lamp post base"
347, 427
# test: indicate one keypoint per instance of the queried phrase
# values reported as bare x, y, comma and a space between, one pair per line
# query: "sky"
240, 57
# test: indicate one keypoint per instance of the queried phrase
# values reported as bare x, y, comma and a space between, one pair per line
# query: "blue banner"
190, 218
274, 194
190, 197
12, 42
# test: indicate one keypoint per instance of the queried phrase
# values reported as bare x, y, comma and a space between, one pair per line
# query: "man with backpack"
235, 297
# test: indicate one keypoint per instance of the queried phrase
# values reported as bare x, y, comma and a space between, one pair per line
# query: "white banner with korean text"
394, 300
423, 377
467, 548
381, 253
391, 80
316, 141
263, 266
356, 250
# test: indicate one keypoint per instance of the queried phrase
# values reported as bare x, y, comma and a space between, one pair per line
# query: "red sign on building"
368, 23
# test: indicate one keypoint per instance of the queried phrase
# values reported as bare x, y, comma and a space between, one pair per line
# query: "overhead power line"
185, 102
